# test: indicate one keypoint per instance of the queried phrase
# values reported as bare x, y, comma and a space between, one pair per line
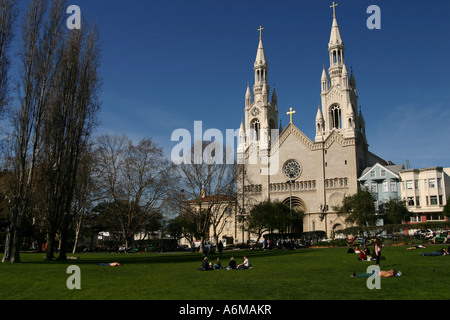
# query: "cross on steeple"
260, 31
334, 5
291, 113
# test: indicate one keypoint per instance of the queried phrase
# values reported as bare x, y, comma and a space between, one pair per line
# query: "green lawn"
314, 273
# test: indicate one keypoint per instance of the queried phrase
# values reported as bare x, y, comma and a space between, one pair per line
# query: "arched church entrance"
297, 204
336, 228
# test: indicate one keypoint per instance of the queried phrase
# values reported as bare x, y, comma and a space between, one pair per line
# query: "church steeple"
338, 91
261, 112
336, 50
261, 68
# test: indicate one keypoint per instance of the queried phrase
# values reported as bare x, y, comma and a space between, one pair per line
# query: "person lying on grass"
381, 274
419, 246
442, 252
111, 264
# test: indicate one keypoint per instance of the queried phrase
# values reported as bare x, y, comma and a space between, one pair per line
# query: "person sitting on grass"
206, 265
231, 264
218, 264
245, 265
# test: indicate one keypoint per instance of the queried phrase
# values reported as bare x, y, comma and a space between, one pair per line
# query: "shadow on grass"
142, 258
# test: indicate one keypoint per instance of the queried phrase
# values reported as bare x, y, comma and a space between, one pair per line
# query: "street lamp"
290, 182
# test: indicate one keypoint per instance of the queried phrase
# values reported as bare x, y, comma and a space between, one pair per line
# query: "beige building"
286, 165
425, 192
223, 221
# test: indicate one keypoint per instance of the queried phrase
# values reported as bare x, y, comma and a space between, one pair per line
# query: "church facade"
285, 164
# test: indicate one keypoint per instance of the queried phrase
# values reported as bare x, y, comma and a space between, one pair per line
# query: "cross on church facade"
291, 113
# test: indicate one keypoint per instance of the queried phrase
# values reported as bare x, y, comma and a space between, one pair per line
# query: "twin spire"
337, 73
335, 38
260, 55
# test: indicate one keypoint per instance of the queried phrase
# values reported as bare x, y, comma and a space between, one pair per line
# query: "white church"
312, 175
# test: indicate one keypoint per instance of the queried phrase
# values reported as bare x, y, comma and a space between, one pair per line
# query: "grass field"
306, 274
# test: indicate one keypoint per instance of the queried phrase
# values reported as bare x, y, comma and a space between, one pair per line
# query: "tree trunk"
8, 243
51, 241
77, 231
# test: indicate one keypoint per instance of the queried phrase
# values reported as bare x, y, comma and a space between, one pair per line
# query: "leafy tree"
358, 209
258, 220
267, 216
395, 211
447, 208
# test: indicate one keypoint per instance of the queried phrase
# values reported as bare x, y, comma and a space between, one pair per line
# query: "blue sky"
169, 63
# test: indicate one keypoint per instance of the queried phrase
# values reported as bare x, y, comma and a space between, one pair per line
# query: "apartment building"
425, 192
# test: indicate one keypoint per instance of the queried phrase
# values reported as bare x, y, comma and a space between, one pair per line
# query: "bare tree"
69, 122
135, 178
8, 14
52, 125
86, 194
209, 184
40, 42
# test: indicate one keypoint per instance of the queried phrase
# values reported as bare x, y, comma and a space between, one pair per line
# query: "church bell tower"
261, 111
339, 99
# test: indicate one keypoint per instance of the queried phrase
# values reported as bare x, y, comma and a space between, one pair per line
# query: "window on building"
432, 183
366, 185
415, 218
433, 200
385, 186
373, 187
409, 184
255, 129
372, 173
410, 201
393, 186
417, 201
336, 117
435, 216
383, 173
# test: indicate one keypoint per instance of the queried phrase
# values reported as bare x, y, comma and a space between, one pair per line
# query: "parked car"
427, 233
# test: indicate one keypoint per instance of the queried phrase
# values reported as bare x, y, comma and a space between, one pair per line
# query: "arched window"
255, 128
336, 117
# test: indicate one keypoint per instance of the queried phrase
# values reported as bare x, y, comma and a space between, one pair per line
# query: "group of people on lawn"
232, 265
